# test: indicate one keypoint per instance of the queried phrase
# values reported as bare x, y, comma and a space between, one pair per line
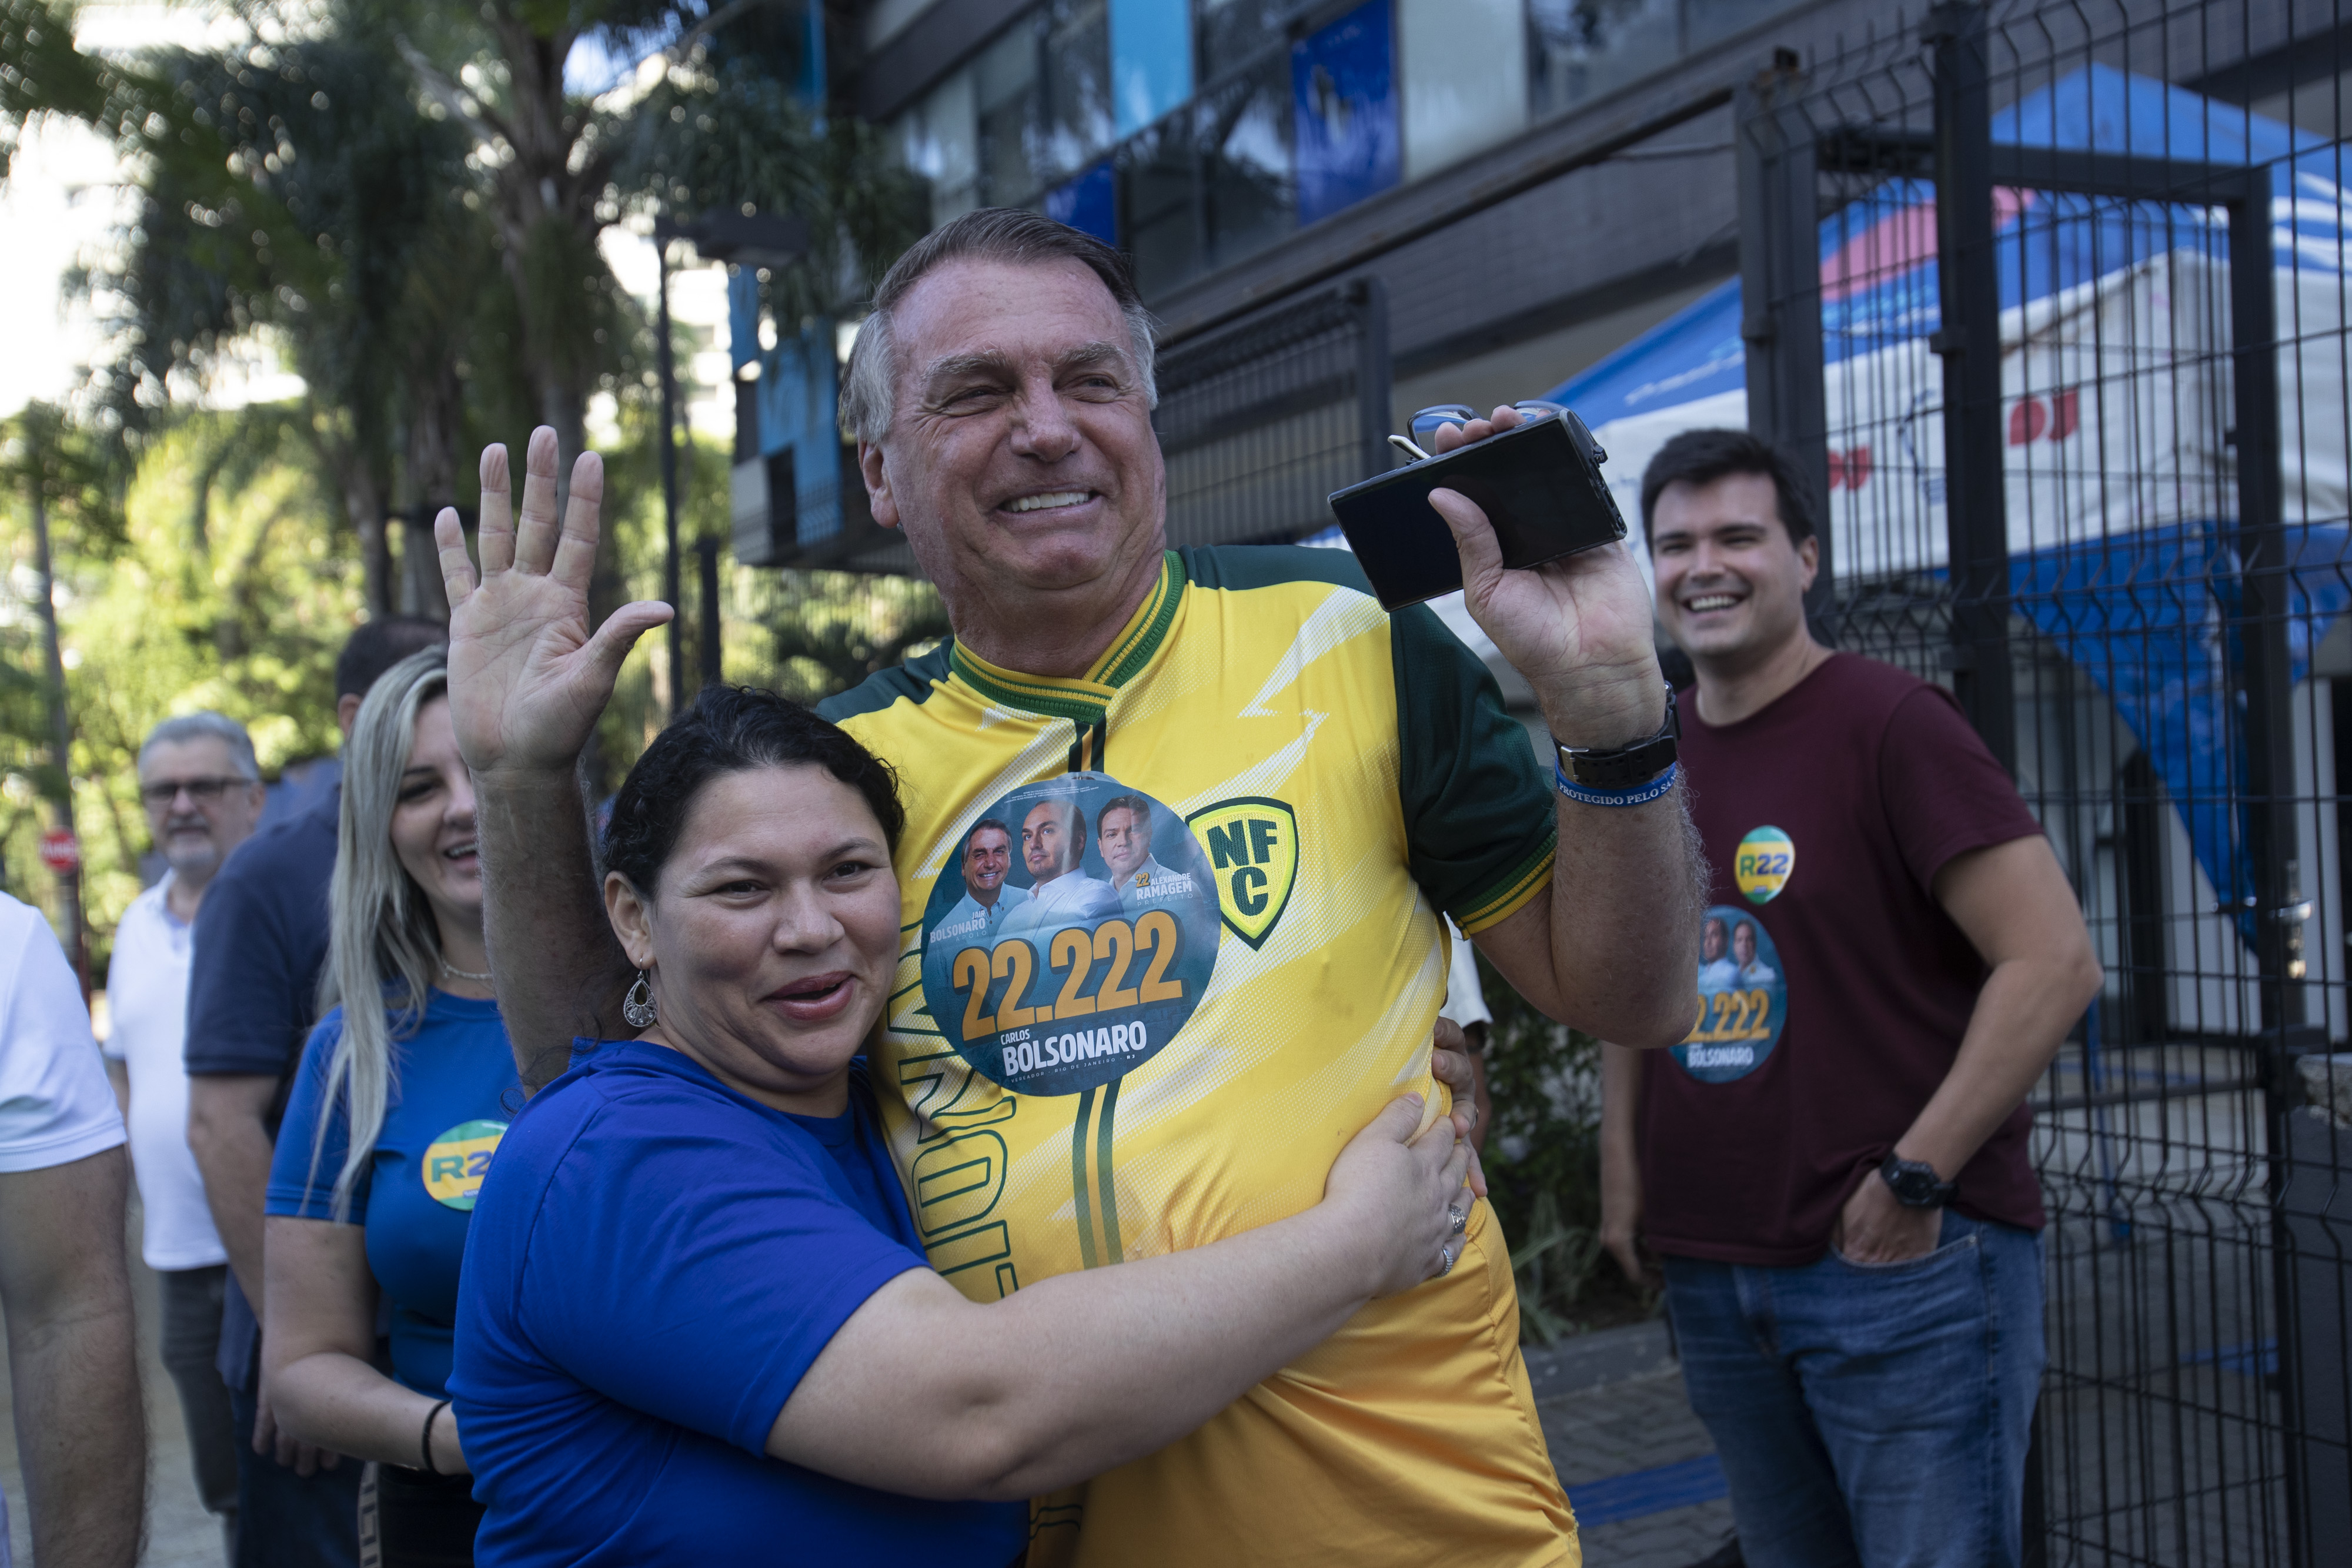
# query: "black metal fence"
1260, 421
2052, 299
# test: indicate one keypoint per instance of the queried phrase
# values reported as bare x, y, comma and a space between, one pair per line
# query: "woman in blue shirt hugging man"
403, 1094
696, 1324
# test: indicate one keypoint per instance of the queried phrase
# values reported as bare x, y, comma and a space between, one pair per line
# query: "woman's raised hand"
1397, 1196
527, 677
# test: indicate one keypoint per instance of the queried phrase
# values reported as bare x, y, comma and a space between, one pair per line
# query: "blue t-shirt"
259, 942
656, 1260
453, 1090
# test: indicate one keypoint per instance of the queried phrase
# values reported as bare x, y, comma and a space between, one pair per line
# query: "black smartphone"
1539, 484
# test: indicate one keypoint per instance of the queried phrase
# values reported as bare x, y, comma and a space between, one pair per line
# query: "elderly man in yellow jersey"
1346, 778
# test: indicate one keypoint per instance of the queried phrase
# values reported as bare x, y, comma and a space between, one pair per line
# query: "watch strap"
1624, 767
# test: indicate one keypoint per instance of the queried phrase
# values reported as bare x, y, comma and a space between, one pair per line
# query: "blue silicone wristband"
1639, 795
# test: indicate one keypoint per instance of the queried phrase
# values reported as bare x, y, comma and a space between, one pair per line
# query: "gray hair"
203, 726
869, 392
383, 946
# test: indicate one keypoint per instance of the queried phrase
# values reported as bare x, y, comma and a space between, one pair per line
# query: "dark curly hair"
731, 729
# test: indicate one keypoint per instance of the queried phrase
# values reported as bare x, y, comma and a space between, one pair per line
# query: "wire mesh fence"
1261, 421
2077, 399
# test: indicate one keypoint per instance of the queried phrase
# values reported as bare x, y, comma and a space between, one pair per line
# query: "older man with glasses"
202, 789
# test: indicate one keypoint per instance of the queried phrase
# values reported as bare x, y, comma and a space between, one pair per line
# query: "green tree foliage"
220, 586
735, 136
807, 634
402, 201
404, 196
1543, 1159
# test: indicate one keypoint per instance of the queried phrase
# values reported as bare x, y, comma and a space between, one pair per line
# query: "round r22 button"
1762, 863
455, 1163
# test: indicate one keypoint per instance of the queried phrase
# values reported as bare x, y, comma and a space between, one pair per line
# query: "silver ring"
1461, 1220
1445, 1252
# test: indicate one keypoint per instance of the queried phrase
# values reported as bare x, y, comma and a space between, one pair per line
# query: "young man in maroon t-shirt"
1834, 1167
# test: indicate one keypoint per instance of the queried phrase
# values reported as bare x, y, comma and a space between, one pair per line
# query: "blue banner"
1344, 112
1087, 201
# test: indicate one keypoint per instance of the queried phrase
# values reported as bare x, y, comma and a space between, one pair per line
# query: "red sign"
60, 851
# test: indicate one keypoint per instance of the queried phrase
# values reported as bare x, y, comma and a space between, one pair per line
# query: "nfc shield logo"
1253, 849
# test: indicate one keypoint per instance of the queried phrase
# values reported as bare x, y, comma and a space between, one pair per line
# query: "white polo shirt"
1466, 999
56, 1106
147, 998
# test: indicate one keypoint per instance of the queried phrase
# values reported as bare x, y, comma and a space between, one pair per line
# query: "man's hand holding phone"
1577, 627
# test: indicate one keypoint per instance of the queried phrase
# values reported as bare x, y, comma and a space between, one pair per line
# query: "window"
1249, 189
1004, 82
1707, 21
1198, 132
1233, 33
1160, 199
1074, 108
1151, 60
1582, 48
1465, 69
939, 138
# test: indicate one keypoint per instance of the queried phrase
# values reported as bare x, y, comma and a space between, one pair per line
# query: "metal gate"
2056, 322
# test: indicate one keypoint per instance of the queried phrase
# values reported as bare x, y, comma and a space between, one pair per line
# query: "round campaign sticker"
1070, 935
456, 1162
1762, 864
1743, 998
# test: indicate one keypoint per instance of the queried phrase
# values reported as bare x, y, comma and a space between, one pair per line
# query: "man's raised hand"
1577, 628
527, 677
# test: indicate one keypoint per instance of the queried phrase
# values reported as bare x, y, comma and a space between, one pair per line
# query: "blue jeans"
289, 1520
1871, 1415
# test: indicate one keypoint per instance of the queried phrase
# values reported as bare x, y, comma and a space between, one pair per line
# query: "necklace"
456, 973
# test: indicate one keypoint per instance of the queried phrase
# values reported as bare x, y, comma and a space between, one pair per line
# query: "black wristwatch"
1627, 766
1915, 1183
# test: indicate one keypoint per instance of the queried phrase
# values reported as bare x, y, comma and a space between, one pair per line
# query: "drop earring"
637, 1007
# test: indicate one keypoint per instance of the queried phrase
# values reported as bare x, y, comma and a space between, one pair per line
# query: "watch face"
1915, 1187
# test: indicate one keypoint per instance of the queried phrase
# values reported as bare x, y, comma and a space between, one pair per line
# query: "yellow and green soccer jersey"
1215, 958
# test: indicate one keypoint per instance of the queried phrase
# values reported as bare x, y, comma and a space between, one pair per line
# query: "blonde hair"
383, 948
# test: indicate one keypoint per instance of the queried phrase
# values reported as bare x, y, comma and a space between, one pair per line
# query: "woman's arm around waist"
924, 1392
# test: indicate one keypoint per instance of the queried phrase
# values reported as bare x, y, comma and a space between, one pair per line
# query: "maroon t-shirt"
1832, 1018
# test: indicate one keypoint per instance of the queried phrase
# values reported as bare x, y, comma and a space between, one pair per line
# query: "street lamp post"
746, 239
666, 355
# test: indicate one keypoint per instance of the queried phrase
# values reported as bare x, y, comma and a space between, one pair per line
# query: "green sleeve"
1480, 829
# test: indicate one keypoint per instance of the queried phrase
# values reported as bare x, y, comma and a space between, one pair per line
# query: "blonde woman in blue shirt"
404, 1092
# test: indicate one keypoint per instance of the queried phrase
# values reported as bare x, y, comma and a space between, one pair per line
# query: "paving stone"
1676, 1538
1634, 1417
